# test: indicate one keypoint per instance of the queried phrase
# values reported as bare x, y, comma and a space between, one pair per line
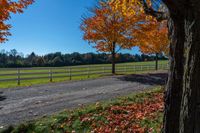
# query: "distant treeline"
16, 59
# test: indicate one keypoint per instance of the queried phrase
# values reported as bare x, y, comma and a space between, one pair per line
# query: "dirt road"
18, 105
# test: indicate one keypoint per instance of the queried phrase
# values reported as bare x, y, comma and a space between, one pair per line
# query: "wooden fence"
20, 74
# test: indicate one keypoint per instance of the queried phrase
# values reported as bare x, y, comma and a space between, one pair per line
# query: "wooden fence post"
50, 75
88, 72
104, 70
18, 76
70, 75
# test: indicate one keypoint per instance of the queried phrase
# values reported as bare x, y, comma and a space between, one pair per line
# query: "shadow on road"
2, 97
149, 79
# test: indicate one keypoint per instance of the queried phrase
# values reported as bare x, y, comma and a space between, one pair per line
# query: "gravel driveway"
26, 103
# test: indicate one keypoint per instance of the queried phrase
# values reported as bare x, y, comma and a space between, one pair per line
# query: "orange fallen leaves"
125, 118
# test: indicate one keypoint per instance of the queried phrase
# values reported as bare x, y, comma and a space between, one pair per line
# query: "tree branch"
119, 49
159, 15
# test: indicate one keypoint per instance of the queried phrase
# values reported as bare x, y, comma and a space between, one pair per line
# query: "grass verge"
140, 112
75, 70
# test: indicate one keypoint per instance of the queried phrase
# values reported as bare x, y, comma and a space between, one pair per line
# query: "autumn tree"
110, 30
155, 41
151, 36
182, 100
6, 8
182, 114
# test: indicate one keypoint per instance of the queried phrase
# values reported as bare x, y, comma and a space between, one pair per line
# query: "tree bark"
156, 67
113, 57
182, 97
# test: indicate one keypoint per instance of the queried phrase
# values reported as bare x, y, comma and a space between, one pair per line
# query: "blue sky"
50, 26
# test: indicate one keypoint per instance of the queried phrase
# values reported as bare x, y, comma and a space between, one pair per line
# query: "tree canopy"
112, 25
156, 40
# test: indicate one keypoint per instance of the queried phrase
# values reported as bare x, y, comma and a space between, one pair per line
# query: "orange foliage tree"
152, 36
182, 95
110, 28
6, 8
156, 40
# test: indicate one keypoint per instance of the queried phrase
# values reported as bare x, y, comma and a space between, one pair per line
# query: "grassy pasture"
77, 72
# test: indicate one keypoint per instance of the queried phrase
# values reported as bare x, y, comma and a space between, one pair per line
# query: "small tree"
109, 30
156, 41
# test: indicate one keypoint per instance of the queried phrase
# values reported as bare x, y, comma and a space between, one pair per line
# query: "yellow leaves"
126, 7
125, 23
114, 21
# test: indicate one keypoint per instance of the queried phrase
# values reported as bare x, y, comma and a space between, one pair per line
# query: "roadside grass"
140, 112
75, 71
26, 83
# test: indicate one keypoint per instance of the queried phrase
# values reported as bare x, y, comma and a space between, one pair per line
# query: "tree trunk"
156, 61
182, 98
113, 57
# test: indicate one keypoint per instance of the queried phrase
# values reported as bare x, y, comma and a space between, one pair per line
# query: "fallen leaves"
124, 118
127, 118
136, 113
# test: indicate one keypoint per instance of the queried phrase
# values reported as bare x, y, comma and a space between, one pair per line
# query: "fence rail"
20, 74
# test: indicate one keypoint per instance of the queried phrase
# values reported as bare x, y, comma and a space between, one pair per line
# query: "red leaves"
127, 118
123, 118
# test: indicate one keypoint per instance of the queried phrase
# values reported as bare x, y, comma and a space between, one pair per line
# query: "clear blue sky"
50, 26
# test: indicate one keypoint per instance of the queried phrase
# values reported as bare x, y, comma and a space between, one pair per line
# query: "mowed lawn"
74, 72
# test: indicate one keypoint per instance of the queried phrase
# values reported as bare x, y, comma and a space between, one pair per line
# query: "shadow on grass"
149, 79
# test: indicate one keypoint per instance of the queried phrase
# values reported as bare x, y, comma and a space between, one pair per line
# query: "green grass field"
77, 72
118, 115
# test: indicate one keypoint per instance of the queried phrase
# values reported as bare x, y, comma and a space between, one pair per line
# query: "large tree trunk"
113, 57
182, 99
